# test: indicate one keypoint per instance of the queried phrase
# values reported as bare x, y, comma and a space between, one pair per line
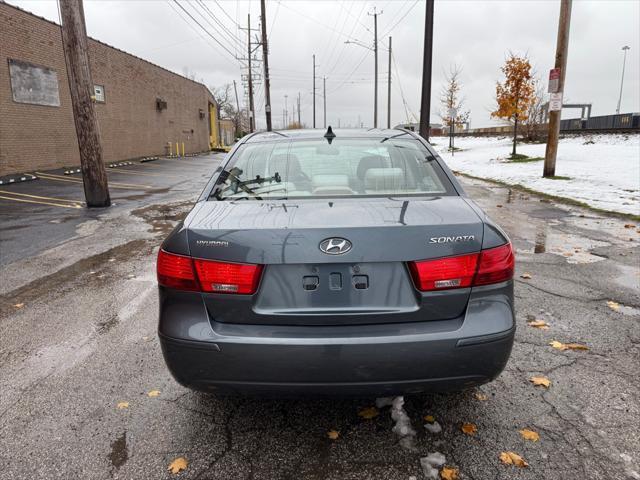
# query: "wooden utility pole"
75, 45
299, 123
252, 120
375, 61
314, 91
389, 89
238, 116
324, 100
427, 55
562, 46
265, 54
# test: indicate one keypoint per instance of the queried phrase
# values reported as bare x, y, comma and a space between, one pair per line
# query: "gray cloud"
473, 34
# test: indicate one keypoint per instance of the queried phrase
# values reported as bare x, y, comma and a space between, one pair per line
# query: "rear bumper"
329, 370
383, 359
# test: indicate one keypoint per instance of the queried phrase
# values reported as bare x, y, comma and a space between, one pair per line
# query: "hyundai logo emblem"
335, 246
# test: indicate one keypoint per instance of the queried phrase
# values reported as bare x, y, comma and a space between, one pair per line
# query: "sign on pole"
555, 102
554, 80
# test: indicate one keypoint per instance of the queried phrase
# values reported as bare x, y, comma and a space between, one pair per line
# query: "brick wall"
38, 137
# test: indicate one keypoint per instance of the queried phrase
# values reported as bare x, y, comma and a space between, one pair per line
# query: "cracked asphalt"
84, 340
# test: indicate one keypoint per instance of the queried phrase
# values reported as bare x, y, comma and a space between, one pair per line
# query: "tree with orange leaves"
515, 96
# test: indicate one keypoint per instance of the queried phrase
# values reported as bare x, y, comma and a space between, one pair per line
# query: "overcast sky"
476, 35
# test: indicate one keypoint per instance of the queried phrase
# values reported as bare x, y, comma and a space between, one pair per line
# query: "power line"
234, 39
205, 30
401, 18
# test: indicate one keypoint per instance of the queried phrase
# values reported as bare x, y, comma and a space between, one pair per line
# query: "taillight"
496, 265
489, 266
441, 273
194, 274
176, 271
225, 277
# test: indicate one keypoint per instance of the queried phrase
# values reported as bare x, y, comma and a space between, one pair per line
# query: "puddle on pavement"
576, 249
119, 452
107, 325
629, 277
163, 218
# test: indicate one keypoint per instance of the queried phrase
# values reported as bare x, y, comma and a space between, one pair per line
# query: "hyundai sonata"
341, 263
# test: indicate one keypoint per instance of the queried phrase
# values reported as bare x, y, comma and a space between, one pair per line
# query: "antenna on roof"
329, 135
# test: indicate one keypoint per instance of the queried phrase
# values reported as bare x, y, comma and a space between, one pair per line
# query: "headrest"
384, 180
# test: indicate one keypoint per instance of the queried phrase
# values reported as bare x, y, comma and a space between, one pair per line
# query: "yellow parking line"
7, 192
24, 200
59, 178
134, 172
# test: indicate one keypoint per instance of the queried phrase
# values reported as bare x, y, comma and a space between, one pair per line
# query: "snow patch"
431, 464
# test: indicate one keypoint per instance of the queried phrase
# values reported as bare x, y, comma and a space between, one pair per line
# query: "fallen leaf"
541, 324
481, 396
529, 435
122, 405
629, 225
449, 473
526, 275
469, 428
540, 381
429, 418
613, 305
499, 206
153, 393
368, 413
512, 458
178, 465
19, 305
567, 346
333, 434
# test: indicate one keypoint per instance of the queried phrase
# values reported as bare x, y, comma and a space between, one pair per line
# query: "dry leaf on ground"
541, 324
369, 413
526, 275
568, 346
449, 473
529, 435
122, 405
629, 225
469, 428
178, 465
613, 305
333, 434
512, 458
481, 396
19, 305
540, 381
153, 393
429, 418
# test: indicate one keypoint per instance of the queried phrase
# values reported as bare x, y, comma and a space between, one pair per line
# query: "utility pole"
286, 111
74, 40
252, 120
389, 89
314, 91
265, 52
427, 55
624, 61
299, 123
375, 56
239, 117
562, 46
324, 99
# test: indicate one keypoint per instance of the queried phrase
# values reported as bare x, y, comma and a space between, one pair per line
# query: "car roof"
318, 134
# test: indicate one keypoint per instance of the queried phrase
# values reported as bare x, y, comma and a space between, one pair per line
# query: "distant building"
435, 129
227, 131
140, 106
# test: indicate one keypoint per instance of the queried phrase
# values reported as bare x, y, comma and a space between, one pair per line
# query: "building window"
98, 93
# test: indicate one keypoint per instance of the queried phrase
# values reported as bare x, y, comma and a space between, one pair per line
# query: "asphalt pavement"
85, 392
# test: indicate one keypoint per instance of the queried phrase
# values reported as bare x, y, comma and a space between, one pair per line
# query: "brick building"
140, 106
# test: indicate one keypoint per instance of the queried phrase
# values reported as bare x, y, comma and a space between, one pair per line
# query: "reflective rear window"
344, 168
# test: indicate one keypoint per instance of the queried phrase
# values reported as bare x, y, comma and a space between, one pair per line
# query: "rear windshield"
345, 168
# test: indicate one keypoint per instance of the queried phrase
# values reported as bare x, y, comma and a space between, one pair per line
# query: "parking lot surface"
85, 392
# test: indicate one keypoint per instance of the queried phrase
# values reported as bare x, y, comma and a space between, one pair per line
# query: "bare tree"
452, 110
534, 123
225, 98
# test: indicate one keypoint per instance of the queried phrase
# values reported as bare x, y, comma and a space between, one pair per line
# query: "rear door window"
344, 168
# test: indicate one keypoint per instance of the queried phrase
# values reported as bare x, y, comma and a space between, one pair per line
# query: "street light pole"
375, 57
624, 61
389, 89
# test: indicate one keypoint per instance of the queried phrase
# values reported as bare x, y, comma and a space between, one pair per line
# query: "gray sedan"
335, 263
